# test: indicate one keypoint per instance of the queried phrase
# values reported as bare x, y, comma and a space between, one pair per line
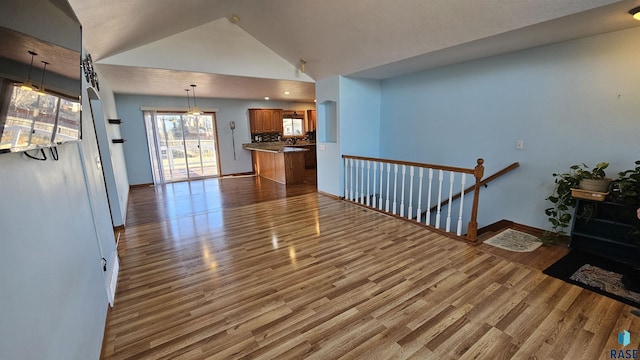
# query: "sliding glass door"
184, 146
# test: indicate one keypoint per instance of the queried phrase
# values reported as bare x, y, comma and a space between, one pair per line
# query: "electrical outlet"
519, 144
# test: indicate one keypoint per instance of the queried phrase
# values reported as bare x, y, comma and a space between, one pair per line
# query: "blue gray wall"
572, 102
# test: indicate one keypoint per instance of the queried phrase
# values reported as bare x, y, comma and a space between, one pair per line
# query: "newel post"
472, 229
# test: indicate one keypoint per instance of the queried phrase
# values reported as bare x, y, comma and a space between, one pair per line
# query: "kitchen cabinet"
284, 165
605, 229
265, 121
310, 157
311, 120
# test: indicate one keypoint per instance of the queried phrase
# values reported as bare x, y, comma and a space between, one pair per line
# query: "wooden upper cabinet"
265, 120
311, 120
276, 120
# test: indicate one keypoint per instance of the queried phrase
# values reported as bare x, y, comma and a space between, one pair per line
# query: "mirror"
40, 74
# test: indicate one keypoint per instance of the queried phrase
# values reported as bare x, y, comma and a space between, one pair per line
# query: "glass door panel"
187, 146
208, 148
172, 152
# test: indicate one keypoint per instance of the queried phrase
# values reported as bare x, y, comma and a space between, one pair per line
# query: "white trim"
174, 109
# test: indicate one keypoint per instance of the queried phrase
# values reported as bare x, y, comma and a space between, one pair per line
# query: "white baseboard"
112, 279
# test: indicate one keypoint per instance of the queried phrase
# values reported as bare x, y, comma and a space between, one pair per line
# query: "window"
33, 119
292, 124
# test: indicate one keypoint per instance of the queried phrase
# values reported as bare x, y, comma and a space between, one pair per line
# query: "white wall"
113, 161
329, 163
136, 150
357, 103
571, 102
55, 229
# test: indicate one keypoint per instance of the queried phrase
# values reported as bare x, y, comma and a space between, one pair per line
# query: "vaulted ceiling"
159, 47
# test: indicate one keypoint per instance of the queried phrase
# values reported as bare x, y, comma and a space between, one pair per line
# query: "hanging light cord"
33, 54
194, 97
44, 69
188, 101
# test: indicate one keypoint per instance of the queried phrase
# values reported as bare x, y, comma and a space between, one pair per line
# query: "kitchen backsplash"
267, 137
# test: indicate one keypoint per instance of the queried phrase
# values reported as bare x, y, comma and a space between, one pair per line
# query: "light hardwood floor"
243, 268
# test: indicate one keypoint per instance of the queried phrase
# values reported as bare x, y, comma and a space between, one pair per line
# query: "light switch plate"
519, 144
322, 147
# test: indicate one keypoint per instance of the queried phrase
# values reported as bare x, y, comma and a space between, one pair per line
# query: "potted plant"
626, 189
560, 213
592, 179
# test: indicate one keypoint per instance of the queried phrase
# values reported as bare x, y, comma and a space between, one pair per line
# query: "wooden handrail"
409, 163
482, 183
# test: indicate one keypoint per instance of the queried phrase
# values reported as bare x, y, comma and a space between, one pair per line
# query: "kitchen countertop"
278, 147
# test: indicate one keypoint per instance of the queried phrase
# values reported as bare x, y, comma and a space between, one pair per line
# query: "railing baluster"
388, 171
459, 228
428, 219
351, 179
362, 181
404, 171
440, 178
410, 209
395, 187
367, 201
346, 178
373, 197
357, 188
380, 202
451, 179
419, 212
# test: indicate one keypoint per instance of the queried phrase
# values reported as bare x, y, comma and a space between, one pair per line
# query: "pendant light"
188, 102
40, 90
28, 85
635, 12
195, 110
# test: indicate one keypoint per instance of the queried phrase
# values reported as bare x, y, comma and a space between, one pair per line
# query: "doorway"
184, 147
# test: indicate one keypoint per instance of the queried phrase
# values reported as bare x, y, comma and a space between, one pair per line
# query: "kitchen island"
278, 162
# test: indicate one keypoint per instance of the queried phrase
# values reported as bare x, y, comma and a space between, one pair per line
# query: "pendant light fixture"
195, 110
635, 12
302, 64
28, 85
188, 102
40, 90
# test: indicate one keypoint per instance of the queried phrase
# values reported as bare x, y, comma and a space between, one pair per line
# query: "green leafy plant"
560, 212
584, 172
628, 186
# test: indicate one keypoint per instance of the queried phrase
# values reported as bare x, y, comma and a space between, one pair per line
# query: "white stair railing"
388, 191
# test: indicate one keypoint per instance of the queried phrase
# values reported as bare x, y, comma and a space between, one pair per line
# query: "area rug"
595, 273
514, 240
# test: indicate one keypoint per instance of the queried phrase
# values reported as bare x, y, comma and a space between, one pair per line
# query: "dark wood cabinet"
265, 121
310, 157
605, 229
311, 120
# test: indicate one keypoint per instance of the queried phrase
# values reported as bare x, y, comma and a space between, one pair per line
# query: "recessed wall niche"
328, 122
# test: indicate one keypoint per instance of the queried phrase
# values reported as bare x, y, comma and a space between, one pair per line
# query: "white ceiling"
159, 47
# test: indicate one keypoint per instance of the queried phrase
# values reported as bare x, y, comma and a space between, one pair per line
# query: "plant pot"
599, 185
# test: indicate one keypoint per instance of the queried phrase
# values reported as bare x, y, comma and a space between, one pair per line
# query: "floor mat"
514, 240
597, 274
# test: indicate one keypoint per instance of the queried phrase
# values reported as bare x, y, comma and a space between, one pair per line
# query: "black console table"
604, 228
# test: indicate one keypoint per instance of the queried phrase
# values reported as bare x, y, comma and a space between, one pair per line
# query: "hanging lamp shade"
40, 90
28, 85
188, 102
195, 110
